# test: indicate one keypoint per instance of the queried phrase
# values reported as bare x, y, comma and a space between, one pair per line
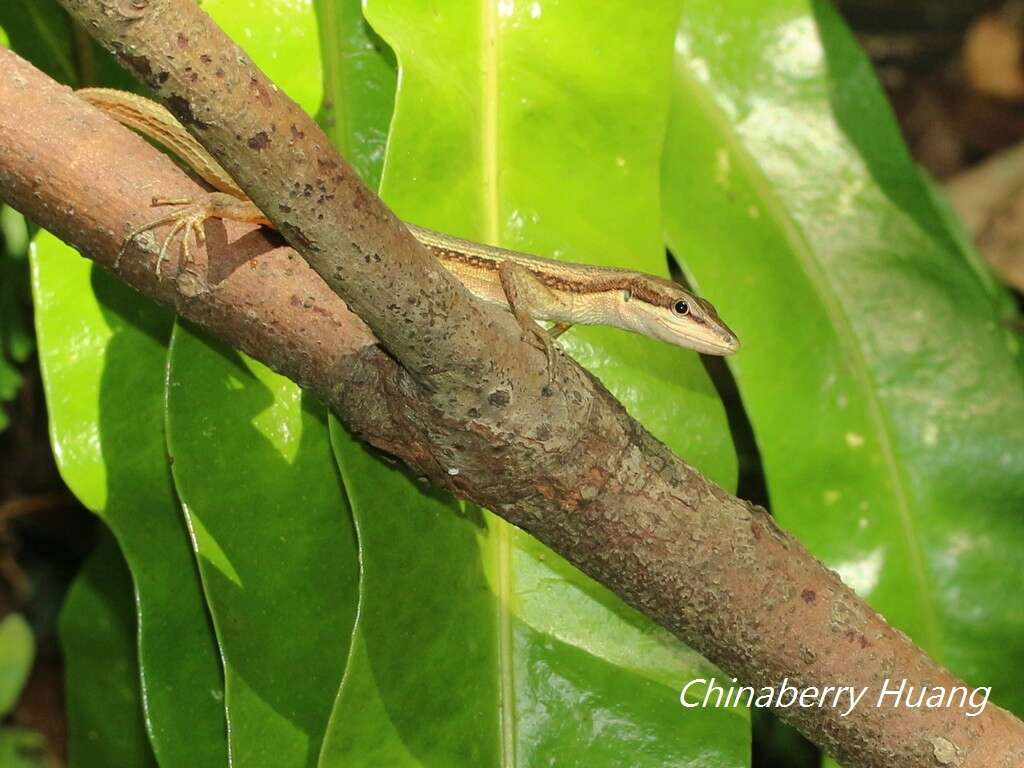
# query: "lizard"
532, 288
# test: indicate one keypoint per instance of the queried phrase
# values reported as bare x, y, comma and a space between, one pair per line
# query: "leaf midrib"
502, 531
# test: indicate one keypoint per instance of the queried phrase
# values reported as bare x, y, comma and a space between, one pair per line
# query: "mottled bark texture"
460, 389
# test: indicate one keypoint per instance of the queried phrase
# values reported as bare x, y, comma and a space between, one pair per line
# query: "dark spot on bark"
856, 637
293, 233
163, 77
499, 398
260, 91
182, 40
473, 413
138, 64
544, 433
326, 165
298, 133
206, 58
181, 109
219, 73
194, 77
259, 141
808, 596
284, 208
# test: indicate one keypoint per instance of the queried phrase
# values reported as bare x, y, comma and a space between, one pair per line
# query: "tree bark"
458, 395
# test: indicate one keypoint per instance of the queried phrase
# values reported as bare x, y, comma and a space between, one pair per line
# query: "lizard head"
669, 312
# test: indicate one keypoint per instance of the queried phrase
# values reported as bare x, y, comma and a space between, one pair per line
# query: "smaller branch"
27, 505
990, 200
288, 167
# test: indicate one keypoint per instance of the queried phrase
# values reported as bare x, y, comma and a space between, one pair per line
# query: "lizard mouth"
709, 338
720, 344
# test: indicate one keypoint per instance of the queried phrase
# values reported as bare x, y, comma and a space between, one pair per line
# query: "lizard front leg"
526, 295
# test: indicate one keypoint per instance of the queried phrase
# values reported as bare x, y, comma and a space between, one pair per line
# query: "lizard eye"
681, 308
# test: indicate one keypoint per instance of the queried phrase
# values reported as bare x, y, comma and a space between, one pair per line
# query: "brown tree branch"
565, 463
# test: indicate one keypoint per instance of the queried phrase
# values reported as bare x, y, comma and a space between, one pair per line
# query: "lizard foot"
189, 220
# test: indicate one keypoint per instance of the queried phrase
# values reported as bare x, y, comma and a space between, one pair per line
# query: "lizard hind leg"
189, 219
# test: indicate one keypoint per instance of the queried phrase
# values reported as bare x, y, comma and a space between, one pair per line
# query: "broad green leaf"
426, 625
281, 38
20, 748
102, 360
15, 232
254, 470
364, 728
885, 393
102, 350
16, 342
508, 130
275, 542
359, 86
101, 353
17, 650
449, 632
545, 643
41, 32
101, 668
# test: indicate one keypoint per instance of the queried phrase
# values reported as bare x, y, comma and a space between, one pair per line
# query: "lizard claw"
188, 220
542, 340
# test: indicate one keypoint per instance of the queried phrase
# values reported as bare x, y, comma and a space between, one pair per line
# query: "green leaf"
275, 541
16, 342
101, 355
433, 626
281, 38
101, 668
40, 31
17, 651
544, 643
508, 130
21, 748
359, 86
426, 624
15, 233
102, 350
885, 393
255, 473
